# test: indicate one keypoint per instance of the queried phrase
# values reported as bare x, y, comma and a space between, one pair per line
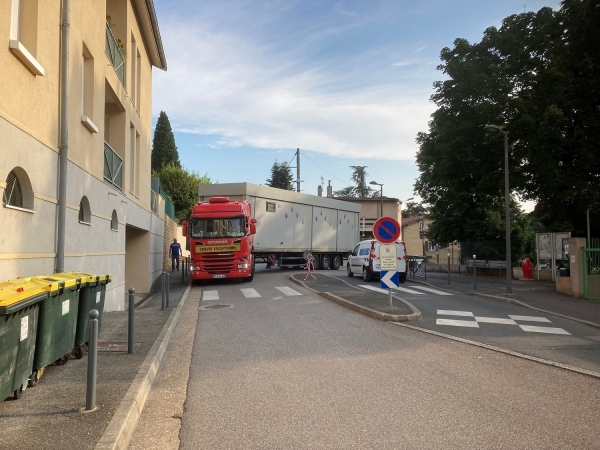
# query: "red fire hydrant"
526, 266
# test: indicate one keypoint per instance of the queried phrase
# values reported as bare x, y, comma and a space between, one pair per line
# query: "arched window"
114, 222
85, 213
18, 192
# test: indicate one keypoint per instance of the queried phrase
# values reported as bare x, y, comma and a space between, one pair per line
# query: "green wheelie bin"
91, 296
58, 320
20, 302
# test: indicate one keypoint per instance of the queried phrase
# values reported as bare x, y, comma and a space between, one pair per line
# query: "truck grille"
215, 263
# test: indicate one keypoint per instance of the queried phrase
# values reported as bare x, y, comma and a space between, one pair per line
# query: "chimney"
329, 190
320, 191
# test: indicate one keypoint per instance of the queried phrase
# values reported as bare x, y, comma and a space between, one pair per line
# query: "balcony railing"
115, 55
113, 167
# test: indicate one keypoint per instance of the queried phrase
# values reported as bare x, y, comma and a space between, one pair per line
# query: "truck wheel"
325, 262
317, 261
350, 273
251, 277
367, 275
336, 262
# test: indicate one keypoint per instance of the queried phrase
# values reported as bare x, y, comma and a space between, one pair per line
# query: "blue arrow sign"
389, 279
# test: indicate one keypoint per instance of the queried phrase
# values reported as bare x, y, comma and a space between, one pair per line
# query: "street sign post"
387, 230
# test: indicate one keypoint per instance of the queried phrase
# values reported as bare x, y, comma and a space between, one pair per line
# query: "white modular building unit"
290, 223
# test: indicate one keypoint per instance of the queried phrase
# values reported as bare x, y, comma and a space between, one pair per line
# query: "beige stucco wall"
29, 131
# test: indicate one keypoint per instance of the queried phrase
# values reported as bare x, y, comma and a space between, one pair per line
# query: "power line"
323, 169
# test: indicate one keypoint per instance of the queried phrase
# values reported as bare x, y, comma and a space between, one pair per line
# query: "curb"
414, 316
120, 429
512, 302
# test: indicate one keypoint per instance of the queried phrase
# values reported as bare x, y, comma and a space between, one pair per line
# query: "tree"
413, 209
164, 150
181, 185
281, 176
360, 190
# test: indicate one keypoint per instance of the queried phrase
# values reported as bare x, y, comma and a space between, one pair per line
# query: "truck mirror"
253, 220
252, 228
184, 227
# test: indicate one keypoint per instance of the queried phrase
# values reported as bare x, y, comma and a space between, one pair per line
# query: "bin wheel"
33, 379
79, 352
19, 392
61, 361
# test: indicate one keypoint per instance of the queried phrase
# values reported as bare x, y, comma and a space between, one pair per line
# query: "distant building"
419, 245
114, 222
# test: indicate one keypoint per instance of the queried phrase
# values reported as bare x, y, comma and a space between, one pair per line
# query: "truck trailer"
287, 225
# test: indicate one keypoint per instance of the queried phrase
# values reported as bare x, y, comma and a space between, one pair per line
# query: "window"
114, 221
133, 86
132, 159
87, 90
364, 252
23, 34
355, 251
18, 192
270, 207
85, 213
139, 80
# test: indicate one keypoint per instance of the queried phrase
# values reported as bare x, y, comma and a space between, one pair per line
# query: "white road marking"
444, 312
457, 323
495, 320
548, 330
432, 290
210, 295
529, 318
250, 293
373, 288
410, 291
287, 291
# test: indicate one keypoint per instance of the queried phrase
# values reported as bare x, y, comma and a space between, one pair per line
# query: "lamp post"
380, 195
494, 129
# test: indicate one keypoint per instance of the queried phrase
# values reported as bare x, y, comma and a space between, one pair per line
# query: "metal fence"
591, 270
115, 55
113, 167
158, 190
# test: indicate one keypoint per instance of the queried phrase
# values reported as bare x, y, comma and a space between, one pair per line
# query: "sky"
347, 82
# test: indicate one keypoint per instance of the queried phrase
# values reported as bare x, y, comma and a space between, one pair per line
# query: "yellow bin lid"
55, 281
84, 276
16, 291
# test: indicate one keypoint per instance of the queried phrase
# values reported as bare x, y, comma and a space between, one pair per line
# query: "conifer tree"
164, 150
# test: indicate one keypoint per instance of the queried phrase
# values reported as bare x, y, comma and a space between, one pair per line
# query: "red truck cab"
219, 236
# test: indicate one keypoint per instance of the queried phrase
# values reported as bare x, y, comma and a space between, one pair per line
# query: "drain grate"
217, 307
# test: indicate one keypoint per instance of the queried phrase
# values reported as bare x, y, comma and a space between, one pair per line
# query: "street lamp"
381, 195
494, 129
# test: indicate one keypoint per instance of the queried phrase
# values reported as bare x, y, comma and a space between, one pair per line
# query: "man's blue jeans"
173, 260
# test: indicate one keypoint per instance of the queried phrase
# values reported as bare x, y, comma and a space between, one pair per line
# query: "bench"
497, 266
478, 263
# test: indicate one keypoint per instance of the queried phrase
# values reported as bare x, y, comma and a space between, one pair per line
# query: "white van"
364, 260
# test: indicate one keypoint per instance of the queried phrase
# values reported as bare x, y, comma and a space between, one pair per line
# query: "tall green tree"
413, 209
360, 189
281, 176
164, 150
181, 185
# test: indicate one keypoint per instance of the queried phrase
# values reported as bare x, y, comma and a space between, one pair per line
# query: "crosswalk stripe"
250, 293
435, 291
410, 291
210, 295
495, 320
287, 291
457, 323
548, 330
529, 318
373, 288
445, 312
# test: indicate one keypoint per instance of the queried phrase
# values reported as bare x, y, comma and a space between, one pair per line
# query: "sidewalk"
538, 295
48, 416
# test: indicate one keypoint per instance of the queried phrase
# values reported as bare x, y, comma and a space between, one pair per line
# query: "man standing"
174, 253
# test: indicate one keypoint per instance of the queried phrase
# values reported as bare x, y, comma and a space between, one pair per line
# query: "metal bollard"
168, 288
182, 269
130, 327
163, 291
90, 396
448, 269
474, 273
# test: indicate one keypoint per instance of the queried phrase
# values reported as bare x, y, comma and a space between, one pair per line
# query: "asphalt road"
499, 324
271, 369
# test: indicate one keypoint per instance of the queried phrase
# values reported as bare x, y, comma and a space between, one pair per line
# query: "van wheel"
325, 262
367, 275
350, 274
336, 262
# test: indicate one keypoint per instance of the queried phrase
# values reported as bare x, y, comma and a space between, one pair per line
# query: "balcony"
114, 54
113, 167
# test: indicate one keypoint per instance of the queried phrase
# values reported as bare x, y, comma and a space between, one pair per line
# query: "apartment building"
75, 141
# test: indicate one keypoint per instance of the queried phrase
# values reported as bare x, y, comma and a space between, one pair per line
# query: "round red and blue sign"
386, 230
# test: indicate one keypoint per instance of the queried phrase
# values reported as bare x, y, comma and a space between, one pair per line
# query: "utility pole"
297, 170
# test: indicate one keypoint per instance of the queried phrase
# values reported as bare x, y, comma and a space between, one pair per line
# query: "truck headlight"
195, 267
243, 266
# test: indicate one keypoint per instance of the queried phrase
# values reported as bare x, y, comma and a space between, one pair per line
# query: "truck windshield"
217, 228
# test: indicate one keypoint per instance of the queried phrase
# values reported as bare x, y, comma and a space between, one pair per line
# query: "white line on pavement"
287, 291
457, 323
410, 291
445, 312
432, 290
548, 330
529, 318
495, 320
210, 295
250, 293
